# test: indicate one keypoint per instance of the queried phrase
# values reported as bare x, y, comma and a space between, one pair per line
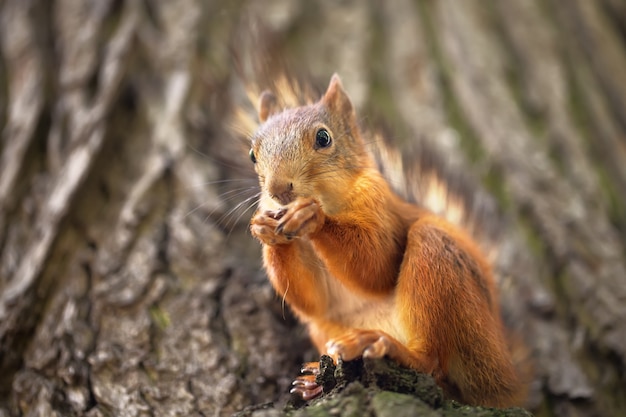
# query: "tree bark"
128, 282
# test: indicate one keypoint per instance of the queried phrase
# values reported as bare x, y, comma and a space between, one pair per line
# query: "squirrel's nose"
281, 192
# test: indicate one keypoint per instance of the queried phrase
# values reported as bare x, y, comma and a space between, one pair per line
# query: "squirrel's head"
309, 151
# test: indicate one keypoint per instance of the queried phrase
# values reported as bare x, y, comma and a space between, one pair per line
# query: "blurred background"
128, 282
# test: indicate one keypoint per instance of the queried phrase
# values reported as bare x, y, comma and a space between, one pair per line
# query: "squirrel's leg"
440, 295
291, 262
446, 303
292, 266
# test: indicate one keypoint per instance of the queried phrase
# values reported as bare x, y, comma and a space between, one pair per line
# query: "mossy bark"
377, 388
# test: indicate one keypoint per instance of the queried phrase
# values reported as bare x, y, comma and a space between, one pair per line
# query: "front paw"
264, 227
302, 217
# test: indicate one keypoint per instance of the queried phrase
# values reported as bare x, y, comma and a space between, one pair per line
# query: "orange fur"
369, 273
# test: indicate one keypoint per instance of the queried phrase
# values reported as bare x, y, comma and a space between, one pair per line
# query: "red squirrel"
367, 272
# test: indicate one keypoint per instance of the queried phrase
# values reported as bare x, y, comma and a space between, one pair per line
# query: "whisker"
231, 194
234, 165
198, 207
226, 196
227, 225
224, 200
224, 181
251, 206
284, 297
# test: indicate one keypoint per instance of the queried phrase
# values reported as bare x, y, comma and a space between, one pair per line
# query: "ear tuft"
336, 97
268, 105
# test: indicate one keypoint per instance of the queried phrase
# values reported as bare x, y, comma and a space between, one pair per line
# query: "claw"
307, 394
306, 386
311, 367
278, 214
305, 381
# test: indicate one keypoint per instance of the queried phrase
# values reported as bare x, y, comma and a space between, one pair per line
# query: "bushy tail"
422, 176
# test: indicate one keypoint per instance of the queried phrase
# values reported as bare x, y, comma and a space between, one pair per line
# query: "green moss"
351, 406
469, 141
496, 185
454, 409
393, 404
580, 112
381, 102
532, 237
546, 408
535, 119
160, 317
378, 388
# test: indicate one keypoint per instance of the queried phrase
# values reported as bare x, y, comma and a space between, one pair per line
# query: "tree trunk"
128, 282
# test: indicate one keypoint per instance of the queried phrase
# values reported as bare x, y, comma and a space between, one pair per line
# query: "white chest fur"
359, 312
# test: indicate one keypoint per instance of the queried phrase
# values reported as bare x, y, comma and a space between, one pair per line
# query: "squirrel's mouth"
273, 202
284, 198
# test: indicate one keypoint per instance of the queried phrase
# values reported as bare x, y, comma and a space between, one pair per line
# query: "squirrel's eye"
322, 139
252, 156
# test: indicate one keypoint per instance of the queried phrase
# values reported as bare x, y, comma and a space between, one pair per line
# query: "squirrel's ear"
336, 97
268, 105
